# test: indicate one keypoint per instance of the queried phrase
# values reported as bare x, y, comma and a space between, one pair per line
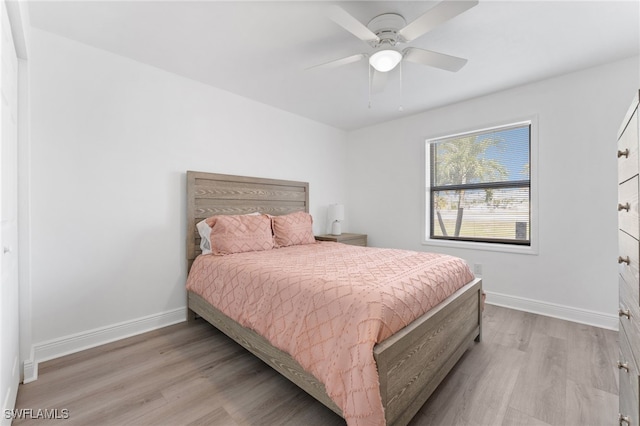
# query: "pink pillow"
240, 233
293, 229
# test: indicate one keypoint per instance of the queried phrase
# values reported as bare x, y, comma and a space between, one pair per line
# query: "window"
479, 186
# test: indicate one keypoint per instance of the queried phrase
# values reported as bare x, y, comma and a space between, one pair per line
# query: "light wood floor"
528, 370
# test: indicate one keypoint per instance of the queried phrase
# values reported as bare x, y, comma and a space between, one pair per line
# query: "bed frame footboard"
413, 362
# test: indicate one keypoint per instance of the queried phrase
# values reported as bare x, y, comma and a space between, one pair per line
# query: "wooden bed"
411, 363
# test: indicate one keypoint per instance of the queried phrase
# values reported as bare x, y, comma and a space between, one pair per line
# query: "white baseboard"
582, 316
88, 339
11, 393
29, 371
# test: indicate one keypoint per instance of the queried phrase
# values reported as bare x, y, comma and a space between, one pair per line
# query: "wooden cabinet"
629, 267
346, 238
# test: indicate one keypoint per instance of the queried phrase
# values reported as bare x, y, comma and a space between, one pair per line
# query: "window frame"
501, 246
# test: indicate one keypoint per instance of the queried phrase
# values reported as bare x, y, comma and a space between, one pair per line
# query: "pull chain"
400, 108
370, 83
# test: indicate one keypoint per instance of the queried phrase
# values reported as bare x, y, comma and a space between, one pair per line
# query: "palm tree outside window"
480, 186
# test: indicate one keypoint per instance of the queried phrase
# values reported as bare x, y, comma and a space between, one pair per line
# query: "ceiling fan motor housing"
386, 27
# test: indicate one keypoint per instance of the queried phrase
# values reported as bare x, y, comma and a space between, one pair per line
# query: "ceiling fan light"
385, 60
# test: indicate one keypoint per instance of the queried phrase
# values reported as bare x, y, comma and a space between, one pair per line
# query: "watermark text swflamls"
37, 414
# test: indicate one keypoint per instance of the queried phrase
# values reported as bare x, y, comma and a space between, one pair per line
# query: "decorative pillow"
293, 229
238, 234
205, 233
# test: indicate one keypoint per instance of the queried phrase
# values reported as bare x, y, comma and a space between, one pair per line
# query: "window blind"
480, 186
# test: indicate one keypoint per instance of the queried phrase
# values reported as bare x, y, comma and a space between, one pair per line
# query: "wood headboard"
210, 194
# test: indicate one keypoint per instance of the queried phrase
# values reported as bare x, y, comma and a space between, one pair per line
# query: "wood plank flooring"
529, 370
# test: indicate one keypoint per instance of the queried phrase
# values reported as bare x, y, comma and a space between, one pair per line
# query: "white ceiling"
260, 50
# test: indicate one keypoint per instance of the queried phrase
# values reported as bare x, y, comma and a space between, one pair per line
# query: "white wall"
574, 274
111, 141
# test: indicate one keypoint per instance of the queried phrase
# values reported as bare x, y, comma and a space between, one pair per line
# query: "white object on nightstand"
336, 214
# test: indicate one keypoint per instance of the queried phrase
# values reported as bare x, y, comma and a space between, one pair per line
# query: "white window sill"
468, 245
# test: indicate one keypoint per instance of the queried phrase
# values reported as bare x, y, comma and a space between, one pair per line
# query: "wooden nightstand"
345, 238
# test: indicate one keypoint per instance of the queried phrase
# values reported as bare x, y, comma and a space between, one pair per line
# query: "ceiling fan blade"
379, 81
434, 59
435, 16
351, 24
339, 62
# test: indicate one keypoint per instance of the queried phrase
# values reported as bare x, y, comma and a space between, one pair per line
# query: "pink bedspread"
328, 304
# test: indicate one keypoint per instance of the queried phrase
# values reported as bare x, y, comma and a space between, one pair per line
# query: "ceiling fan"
386, 32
